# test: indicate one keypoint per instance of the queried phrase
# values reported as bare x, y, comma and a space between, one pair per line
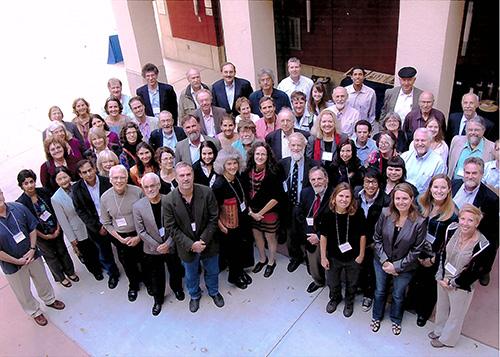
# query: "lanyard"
118, 206
337, 229
236, 193
17, 224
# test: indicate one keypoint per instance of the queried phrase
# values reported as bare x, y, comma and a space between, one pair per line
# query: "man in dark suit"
457, 121
471, 190
190, 217
209, 116
294, 172
404, 98
168, 134
158, 247
314, 200
278, 139
372, 199
86, 196
266, 82
228, 89
157, 96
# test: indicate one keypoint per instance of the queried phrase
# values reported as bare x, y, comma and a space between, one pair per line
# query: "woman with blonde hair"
436, 204
81, 108
56, 115
324, 139
398, 241
106, 159
463, 260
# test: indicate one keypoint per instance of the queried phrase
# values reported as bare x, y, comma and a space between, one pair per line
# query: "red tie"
316, 205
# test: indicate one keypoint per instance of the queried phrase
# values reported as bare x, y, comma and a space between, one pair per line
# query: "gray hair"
151, 176
476, 161
106, 154
203, 90
424, 131
224, 156
318, 168
266, 71
182, 164
298, 136
389, 116
477, 120
118, 168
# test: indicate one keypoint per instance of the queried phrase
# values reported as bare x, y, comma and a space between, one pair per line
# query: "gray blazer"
178, 223
71, 224
182, 152
217, 113
391, 97
404, 252
146, 227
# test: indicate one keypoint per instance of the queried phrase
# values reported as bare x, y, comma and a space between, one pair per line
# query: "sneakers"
366, 304
348, 310
218, 300
331, 306
194, 305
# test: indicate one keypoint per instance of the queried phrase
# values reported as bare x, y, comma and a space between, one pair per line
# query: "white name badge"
327, 156
345, 247
193, 226
243, 206
121, 222
161, 231
156, 110
430, 238
450, 268
19, 237
310, 221
45, 216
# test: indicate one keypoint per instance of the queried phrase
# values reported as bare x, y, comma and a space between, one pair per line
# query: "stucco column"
428, 39
249, 36
139, 40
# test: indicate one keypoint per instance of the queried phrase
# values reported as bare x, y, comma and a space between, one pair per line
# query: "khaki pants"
314, 266
451, 307
20, 284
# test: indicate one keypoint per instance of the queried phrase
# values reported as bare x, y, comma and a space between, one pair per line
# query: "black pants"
155, 269
422, 291
90, 256
367, 275
233, 249
106, 257
293, 240
131, 259
56, 255
333, 279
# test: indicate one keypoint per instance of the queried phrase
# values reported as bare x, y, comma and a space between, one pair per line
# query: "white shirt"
348, 117
463, 196
491, 176
463, 123
403, 104
304, 85
154, 98
420, 169
94, 194
303, 123
193, 94
209, 124
194, 150
285, 150
364, 101
169, 140
229, 93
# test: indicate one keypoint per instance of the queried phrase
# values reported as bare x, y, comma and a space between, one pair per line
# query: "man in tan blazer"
472, 144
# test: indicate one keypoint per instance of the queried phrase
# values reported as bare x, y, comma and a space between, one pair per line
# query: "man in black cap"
404, 98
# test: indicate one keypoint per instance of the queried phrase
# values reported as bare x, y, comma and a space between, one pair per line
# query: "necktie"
295, 184
463, 129
316, 205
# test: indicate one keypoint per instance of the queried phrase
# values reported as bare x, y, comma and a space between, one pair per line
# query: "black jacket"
381, 201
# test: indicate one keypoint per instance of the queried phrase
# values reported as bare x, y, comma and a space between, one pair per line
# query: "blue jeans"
399, 283
192, 277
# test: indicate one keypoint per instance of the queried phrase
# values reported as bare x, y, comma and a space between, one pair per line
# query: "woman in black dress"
346, 166
204, 173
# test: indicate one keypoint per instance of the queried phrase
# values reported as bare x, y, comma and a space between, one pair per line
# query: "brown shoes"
40, 320
58, 305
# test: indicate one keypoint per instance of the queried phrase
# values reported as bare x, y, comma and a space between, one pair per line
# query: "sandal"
375, 325
66, 283
396, 329
74, 278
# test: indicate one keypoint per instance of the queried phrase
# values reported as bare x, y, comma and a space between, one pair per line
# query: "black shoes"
246, 278
269, 270
238, 282
179, 295
421, 321
156, 309
293, 265
348, 310
99, 277
313, 287
112, 282
194, 305
331, 306
259, 266
132, 295
484, 280
218, 300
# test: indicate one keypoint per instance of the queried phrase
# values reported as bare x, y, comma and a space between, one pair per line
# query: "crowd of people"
406, 198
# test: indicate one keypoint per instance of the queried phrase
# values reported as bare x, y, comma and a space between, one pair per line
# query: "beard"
319, 190
247, 141
297, 156
194, 136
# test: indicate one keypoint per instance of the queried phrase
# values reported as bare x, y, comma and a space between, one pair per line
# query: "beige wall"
249, 36
428, 39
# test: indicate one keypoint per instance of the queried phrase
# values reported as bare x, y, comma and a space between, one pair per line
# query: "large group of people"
407, 198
